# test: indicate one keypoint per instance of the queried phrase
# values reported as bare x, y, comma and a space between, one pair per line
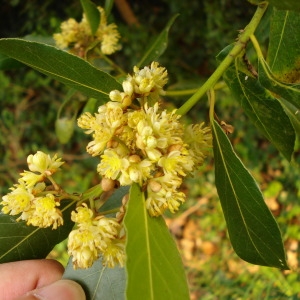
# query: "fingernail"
59, 290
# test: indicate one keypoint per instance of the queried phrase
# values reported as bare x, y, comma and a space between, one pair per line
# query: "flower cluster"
77, 36
31, 198
95, 236
145, 144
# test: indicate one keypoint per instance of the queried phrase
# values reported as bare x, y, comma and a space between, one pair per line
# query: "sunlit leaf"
64, 67
286, 4
19, 241
99, 282
154, 267
264, 110
92, 14
252, 229
157, 48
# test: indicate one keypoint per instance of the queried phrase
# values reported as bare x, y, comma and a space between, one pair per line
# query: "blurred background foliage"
29, 103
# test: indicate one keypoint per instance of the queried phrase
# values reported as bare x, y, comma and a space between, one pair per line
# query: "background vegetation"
29, 103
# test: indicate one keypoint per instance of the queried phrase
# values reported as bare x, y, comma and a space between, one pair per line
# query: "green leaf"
264, 110
293, 113
92, 14
289, 92
284, 45
108, 6
99, 282
154, 266
7, 63
281, 74
115, 200
64, 67
286, 4
157, 48
19, 241
253, 231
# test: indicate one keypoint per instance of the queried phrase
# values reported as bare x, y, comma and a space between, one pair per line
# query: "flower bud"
107, 184
154, 186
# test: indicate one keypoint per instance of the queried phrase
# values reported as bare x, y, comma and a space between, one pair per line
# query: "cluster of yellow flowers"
77, 36
145, 144
95, 236
30, 197
37, 204
138, 142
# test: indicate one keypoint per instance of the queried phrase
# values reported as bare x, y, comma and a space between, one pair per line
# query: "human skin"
37, 280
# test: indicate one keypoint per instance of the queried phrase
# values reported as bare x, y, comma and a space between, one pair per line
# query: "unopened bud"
174, 147
125, 199
154, 186
134, 158
107, 184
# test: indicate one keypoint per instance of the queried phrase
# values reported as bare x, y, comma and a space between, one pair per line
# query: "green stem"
211, 98
114, 65
256, 47
236, 50
172, 93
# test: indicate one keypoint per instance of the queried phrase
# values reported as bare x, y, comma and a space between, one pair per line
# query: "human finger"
17, 278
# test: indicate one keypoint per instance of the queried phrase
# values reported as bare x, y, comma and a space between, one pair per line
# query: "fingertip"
61, 290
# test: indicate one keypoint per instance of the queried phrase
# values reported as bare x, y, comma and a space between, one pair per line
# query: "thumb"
59, 290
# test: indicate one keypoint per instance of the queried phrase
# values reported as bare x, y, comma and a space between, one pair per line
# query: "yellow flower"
162, 194
94, 236
150, 81
44, 213
114, 114
199, 139
31, 178
70, 30
177, 162
78, 36
137, 171
83, 216
87, 121
111, 164
18, 201
43, 163
109, 35
108, 227
82, 248
114, 254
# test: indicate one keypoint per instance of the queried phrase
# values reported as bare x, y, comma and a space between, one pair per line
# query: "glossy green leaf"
154, 267
286, 4
284, 45
157, 48
253, 231
92, 14
64, 67
19, 241
264, 110
99, 282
